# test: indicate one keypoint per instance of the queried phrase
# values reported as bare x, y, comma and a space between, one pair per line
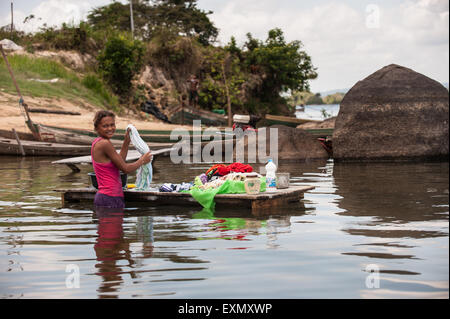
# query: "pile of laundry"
214, 177
168, 188
222, 179
222, 169
216, 181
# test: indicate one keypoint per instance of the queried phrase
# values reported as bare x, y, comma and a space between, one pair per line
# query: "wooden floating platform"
260, 204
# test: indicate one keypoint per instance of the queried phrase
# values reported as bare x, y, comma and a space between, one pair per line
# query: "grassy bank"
69, 85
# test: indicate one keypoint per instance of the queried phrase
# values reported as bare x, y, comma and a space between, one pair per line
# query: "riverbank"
11, 116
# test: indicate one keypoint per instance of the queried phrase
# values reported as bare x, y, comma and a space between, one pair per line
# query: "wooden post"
18, 142
131, 18
182, 110
12, 19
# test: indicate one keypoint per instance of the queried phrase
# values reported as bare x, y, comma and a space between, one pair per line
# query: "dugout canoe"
35, 148
284, 120
79, 136
70, 136
186, 115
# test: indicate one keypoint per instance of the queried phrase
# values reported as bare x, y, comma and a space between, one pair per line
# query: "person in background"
108, 163
193, 88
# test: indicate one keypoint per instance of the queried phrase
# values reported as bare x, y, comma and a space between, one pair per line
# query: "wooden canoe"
285, 120
77, 136
67, 136
34, 148
187, 115
10, 134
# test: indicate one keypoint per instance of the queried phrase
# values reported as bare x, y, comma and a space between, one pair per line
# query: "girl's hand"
146, 158
127, 139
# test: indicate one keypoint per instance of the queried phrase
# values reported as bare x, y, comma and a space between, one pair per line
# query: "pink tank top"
108, 176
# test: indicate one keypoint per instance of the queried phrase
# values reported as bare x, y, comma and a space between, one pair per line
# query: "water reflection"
392, 215
110, 247
398, 207
393, 193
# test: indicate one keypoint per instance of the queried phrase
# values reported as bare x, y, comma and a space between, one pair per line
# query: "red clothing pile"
222, 170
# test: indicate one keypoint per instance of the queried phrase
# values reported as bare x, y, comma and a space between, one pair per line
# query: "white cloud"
342, 46
53, 13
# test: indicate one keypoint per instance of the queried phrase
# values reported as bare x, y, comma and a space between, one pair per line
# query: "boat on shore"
284, 120
21, 135
36, 148
82, 137
70, 136
186, 115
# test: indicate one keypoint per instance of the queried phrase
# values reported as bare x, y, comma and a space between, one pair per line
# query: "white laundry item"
144, 173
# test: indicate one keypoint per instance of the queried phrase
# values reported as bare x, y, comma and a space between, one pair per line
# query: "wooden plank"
37, 110
132, 155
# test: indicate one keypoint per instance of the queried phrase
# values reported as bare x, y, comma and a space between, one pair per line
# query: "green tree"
218, 66
116, 17
121, 59
184, 17
150, 17
284, 66
233, 48
314, 99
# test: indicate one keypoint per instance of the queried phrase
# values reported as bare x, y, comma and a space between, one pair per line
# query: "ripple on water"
394, 217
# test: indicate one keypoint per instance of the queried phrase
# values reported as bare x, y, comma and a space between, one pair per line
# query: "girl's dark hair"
101, 114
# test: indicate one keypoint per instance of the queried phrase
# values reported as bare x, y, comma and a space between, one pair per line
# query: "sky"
347, 40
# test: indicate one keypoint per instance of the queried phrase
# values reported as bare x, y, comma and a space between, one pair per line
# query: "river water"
377, 230
318, 112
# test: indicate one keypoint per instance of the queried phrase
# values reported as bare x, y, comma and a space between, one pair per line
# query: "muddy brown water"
366, 231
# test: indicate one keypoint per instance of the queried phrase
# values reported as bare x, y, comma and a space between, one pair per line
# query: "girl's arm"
108, 149
125, 144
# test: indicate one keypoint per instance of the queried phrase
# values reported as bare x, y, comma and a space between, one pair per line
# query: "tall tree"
183, 17
284, 65
180, 16
116, 16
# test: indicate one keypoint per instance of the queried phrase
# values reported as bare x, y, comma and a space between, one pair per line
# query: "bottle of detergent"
271, 168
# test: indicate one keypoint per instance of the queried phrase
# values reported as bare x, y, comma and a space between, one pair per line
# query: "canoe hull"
284, 120
187, 116
32, 148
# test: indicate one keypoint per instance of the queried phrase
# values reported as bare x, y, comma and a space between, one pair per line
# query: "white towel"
145, 172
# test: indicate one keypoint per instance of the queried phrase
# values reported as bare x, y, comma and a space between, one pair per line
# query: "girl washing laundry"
108, 163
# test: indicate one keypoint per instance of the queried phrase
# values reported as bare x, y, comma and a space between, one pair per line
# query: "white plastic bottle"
271, 169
